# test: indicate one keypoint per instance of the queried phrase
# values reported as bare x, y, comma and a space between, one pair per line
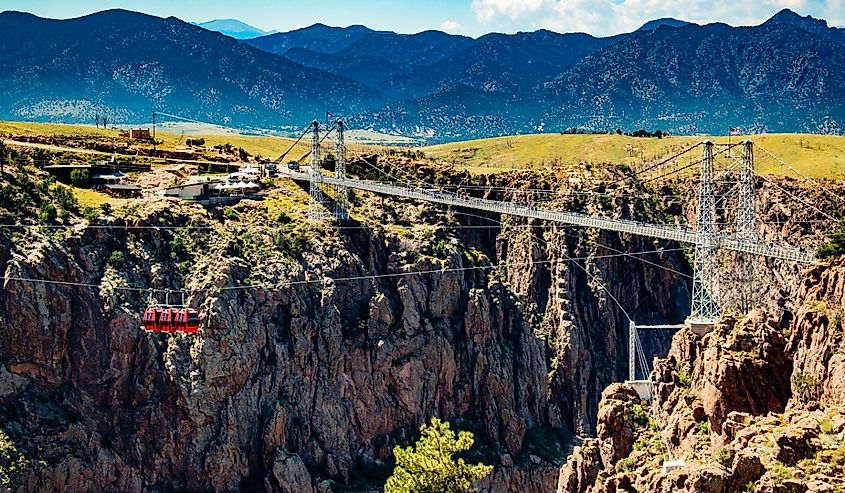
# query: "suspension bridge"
706, 238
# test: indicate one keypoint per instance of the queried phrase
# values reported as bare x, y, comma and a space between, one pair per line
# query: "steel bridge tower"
316, 206
341, 197
705, 310
746, 230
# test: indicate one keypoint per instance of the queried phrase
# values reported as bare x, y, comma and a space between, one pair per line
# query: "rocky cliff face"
753, 406
324, 346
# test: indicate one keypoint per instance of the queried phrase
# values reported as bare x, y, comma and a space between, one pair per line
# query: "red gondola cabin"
165, 321
151, 319
171, 319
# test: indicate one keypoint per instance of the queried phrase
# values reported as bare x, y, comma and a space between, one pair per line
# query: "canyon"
327, 345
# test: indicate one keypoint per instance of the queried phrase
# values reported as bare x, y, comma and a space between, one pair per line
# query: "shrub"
231, 213
105, 208
79, 176
684, 380
826, 427
704, 427
290, 243
627, 464
46, 212
90, 213
807, 389
835, 247
65, 198
440, 249
640, 415
725, 456
117, 259
429, 465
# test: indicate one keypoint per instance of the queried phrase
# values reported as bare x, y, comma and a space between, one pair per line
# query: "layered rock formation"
324, 347
753, 406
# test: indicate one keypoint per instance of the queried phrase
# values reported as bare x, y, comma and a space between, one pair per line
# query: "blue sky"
470, 17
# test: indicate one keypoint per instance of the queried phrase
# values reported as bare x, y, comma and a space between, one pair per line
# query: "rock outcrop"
752, 406
323, 348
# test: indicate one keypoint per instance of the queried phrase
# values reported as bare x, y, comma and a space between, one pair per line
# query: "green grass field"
266, 146
818, 156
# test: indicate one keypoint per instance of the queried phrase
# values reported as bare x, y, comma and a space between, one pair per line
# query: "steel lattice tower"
341, 205
705, 310
316, 210
746, 230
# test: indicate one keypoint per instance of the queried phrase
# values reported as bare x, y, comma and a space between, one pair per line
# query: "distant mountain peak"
665, 21
787, 16
233, 28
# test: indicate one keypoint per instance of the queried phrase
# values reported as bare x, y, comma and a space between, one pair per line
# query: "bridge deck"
679, 234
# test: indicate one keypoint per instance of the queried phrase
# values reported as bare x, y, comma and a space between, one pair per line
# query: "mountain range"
234, 28
787, 74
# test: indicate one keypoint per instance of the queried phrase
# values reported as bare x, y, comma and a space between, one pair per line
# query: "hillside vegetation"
266, 146
818, 156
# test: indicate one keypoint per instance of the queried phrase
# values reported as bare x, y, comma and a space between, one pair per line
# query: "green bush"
117, 259
90, 213
46, 213
65, 198
725, 456
430, 466
835, 247
79, 176
627, 464
290, 243
440, 249
640, 415
807, 388
684, 380
231, 213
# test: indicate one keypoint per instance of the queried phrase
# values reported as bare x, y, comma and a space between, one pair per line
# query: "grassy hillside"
820, 156
265, 146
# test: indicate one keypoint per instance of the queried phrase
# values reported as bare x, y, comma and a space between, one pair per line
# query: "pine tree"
428, 466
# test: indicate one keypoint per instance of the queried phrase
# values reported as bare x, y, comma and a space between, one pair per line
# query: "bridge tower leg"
632, 351
746, 230
316, 208
705, 311
341, 206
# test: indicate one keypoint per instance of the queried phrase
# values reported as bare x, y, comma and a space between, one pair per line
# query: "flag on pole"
735, 131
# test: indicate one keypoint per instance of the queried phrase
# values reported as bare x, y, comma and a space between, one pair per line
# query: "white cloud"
607, 17
451, 26
486, 10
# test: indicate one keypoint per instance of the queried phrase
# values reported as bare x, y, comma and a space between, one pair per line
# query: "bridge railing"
678, 234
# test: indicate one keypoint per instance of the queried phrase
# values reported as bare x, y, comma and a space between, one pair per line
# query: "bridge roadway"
679, 234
